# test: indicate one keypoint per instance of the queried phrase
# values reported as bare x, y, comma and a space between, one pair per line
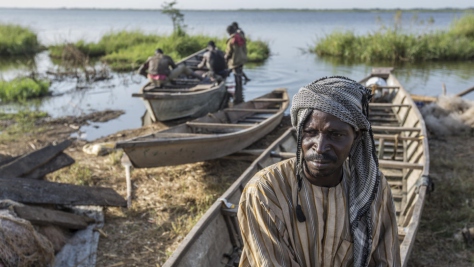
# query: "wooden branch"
44, 192
465, 92
33, 160
42, 216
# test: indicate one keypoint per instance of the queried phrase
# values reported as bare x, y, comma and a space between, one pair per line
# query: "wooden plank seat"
395, 129
269, 100
387, 105
251, 110
399, 165
218, 125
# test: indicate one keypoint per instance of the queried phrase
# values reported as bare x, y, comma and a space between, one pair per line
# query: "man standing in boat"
214, 60
236, 56
161, 69
239, 31
331, 205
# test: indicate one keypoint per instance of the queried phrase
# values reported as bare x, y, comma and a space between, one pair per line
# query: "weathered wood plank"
60, 161
44, 192
218, 125
42, 216
33, 160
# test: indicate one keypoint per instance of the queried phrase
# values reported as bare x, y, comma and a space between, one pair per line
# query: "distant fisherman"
236, 56
241, 33
331, 205
161, 69
214, 60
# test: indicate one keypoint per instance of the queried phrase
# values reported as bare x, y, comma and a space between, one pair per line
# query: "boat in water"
187, 97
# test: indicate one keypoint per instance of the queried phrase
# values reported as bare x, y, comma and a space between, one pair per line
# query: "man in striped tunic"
331, 205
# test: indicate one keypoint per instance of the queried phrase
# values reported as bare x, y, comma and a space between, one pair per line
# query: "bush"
394, 45
126, 50
23, 88
17, 40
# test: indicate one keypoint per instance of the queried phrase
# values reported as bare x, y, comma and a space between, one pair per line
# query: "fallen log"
42, 216
33, 160
43, 192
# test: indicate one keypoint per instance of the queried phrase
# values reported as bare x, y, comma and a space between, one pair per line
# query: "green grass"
127, 50
393, 44
15, 125
17, 40
23, 88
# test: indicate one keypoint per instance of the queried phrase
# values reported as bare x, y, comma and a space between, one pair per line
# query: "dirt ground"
167, 201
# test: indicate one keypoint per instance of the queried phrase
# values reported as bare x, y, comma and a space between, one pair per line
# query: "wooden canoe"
399, 133
186, 98
212, 136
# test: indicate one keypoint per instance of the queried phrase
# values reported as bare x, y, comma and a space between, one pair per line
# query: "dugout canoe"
212, 136
402, 148
186, 98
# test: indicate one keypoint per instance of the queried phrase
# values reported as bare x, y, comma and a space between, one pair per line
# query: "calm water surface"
288, 32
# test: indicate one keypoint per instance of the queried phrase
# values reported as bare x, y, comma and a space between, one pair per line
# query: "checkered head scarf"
349, 101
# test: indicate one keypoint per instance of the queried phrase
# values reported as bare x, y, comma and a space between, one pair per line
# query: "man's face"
326, 143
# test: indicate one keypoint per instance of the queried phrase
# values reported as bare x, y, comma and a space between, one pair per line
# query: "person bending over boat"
236, 56
331, 205
160, 69
214, 60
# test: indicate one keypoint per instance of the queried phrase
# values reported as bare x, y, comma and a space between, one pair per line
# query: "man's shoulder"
276, 173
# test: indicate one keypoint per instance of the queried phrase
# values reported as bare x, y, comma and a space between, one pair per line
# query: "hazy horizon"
242, 4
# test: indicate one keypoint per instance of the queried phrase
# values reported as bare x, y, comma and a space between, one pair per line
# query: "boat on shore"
402, 148
212, 136
185, 98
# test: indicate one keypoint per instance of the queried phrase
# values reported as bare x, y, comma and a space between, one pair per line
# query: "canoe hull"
212, 136
172, 152
170, 106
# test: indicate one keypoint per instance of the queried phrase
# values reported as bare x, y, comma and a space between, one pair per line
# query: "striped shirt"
273, 236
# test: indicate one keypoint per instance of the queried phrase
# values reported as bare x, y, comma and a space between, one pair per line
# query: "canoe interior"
229, 120
402, 149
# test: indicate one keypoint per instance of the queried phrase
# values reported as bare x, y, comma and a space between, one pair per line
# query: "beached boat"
212, 136
399, 132
185, 98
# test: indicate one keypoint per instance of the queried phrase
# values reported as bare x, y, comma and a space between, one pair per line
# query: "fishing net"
21, 245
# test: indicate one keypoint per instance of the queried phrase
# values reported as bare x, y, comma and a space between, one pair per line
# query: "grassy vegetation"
449, 208
13, 125
17, 40
126, 50
23, 88
393, 44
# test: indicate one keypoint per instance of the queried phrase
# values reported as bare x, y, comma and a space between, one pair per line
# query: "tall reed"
457, 43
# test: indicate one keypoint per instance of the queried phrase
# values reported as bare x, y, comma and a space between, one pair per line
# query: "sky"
240, 4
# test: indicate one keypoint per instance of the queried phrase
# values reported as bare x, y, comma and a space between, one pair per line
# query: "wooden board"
33, 160
42, 216
60, 161
44, 192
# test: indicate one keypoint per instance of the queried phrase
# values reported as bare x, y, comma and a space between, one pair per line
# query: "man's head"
231, 29
236, 26
211, 45
158, 51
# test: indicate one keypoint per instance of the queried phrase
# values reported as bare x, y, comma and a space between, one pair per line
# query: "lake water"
288, 33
